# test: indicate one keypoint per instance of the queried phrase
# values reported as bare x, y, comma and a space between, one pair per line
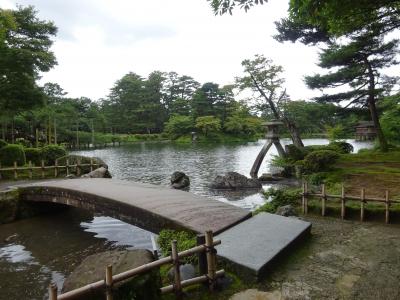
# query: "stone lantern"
272, 137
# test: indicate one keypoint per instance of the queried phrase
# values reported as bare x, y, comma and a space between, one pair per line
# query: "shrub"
294, 153
208, 124
3, 143
185, 240
51, 152
319, 160
23, 142
341, 147
34, 155
279, 197
11, 153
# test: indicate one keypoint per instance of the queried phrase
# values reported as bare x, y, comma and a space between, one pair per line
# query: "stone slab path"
251, 246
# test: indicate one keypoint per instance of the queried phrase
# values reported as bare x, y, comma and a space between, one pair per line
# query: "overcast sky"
99, 41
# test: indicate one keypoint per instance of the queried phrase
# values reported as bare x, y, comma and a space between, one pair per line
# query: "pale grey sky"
99, 41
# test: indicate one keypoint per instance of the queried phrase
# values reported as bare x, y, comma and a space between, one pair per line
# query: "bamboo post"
387, 206
323, 199
15, 171
343, 210
91, 164
211, 267
55, 169
30, 170
78, 167
109, 282
67, 167
362, 200
42, 168
202, 257
177, 271
53, 292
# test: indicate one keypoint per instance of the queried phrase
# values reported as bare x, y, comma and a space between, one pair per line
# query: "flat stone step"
250, 247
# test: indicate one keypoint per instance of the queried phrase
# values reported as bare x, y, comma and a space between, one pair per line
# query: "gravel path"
342, 260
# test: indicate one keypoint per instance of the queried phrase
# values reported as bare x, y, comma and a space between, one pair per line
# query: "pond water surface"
40, 250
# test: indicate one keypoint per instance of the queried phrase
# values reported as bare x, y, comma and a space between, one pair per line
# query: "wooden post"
306, 198
37, 138
109, 282
42, 168
177, 271
0, 172
55, 169
53, 292
211, 253
343, 210
91, 164
30, 170
78, 167
15, 171
202, 257
323, 200
303, 198
67, 166
387, 206
362, 200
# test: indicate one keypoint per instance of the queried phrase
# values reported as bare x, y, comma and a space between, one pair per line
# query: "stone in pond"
235, 181
92, 269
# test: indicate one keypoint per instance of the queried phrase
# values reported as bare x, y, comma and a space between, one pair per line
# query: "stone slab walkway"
251, 246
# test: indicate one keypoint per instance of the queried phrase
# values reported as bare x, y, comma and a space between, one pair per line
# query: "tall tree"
357, 64
264, 78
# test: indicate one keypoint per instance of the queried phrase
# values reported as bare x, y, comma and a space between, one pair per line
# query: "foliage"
320, 160
12, 153
208, 124
294, 153
25, 43
185, 240
178, 125
390, 118
341, 147
3, 143
34, 155
263, 78
51, 152
279, 197
335, 132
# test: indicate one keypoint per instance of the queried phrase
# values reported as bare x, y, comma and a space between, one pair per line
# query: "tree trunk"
372, 108
12, 131
293, 130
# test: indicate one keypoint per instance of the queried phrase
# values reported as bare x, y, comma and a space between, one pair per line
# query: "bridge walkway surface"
150, 207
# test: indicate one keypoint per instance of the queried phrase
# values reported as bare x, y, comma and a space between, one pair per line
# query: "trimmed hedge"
11, 153
51, 152
317, 161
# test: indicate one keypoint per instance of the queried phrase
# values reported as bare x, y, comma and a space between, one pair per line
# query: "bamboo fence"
110, 279
343, 198
42, 168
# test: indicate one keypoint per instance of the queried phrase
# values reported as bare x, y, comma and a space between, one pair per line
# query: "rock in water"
286, 211
92, 269
235, 181
98, 173
179, 180
268, 177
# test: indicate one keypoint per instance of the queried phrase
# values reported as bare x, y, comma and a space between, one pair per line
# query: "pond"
36, 251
